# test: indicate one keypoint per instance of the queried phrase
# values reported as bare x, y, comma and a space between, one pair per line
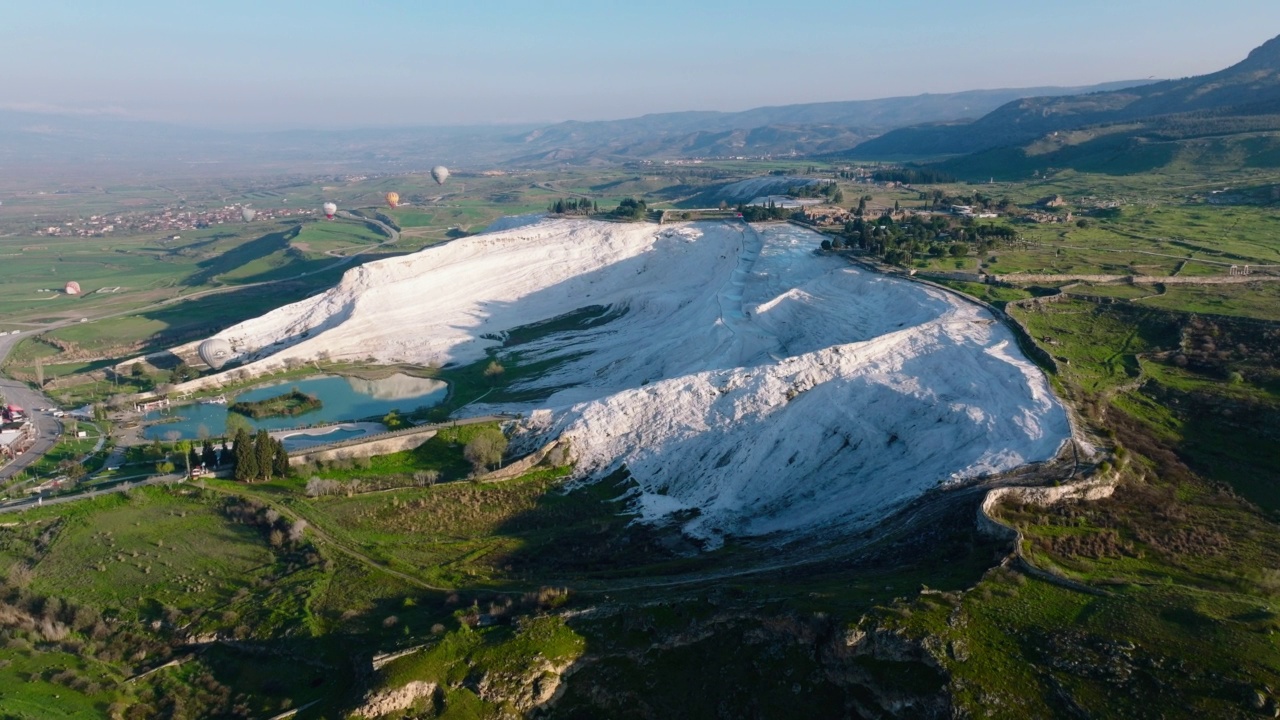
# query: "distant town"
163, 221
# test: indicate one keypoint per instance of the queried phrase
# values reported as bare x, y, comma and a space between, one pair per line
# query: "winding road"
48, 428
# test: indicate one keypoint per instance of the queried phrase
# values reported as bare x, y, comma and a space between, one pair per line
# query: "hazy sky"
293, 64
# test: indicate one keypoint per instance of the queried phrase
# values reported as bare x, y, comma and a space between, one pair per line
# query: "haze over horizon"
324, 65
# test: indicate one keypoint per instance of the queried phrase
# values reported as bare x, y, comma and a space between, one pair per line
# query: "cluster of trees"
937, 198
574, 206
139, 378
185, 453
394, 420
829, 190
631, 209
758, 213
182, 372
861, 208
935, 236
1227, 348
280, 532
485, 450
913, 176
258, 457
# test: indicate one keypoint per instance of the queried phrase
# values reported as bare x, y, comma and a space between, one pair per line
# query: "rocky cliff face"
384, 702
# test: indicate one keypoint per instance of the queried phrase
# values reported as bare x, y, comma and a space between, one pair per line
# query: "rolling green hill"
1248, 88
1170, 143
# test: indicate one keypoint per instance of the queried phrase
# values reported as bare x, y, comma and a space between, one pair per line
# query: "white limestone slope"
745, 190
765, 387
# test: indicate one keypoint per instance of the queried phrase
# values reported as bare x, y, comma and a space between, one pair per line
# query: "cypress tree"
280, 463
246, 459
264, 453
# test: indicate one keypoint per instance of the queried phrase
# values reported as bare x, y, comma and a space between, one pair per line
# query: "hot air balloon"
393, 199
329, 210
215, 352
440, 173
248, 214
72, 288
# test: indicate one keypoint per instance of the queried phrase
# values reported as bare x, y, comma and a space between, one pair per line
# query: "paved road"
28, 503
48, 429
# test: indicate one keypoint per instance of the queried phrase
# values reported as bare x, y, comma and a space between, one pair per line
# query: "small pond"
344, 399
337, 434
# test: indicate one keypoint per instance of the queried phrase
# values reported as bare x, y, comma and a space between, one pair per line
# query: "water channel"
344, 399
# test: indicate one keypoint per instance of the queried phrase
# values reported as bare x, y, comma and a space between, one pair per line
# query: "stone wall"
1100, 485
1138, 279
381, 444
960, 276
521, 466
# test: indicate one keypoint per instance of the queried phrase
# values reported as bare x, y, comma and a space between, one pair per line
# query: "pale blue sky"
294, 64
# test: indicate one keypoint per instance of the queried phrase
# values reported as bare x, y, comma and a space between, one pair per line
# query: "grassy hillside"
1123, 150
1248, 88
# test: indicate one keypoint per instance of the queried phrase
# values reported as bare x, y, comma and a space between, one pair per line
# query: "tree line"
913, 176
828, 190
574, 206
253, 457
628, 209
771, 211
935, 236
258, 457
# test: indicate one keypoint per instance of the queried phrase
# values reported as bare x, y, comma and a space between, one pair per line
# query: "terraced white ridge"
768, 388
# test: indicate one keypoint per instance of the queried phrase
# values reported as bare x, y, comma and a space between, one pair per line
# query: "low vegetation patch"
294, 402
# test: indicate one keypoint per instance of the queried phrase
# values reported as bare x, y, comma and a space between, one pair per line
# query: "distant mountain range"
1241, 98
803, 129
1115, 127
34, 142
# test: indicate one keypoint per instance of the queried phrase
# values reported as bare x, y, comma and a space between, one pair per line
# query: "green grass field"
151, 547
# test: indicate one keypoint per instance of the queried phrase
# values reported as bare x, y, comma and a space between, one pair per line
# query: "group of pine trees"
628, 209
208, 456
913, 176
254, 457
574, 206
631, 209
758, 213
258, 457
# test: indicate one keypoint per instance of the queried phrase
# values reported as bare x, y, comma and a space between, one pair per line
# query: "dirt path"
325, 537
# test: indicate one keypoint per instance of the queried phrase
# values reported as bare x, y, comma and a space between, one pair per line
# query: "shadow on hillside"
201, 317
649, 609
239, 256
666, 614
